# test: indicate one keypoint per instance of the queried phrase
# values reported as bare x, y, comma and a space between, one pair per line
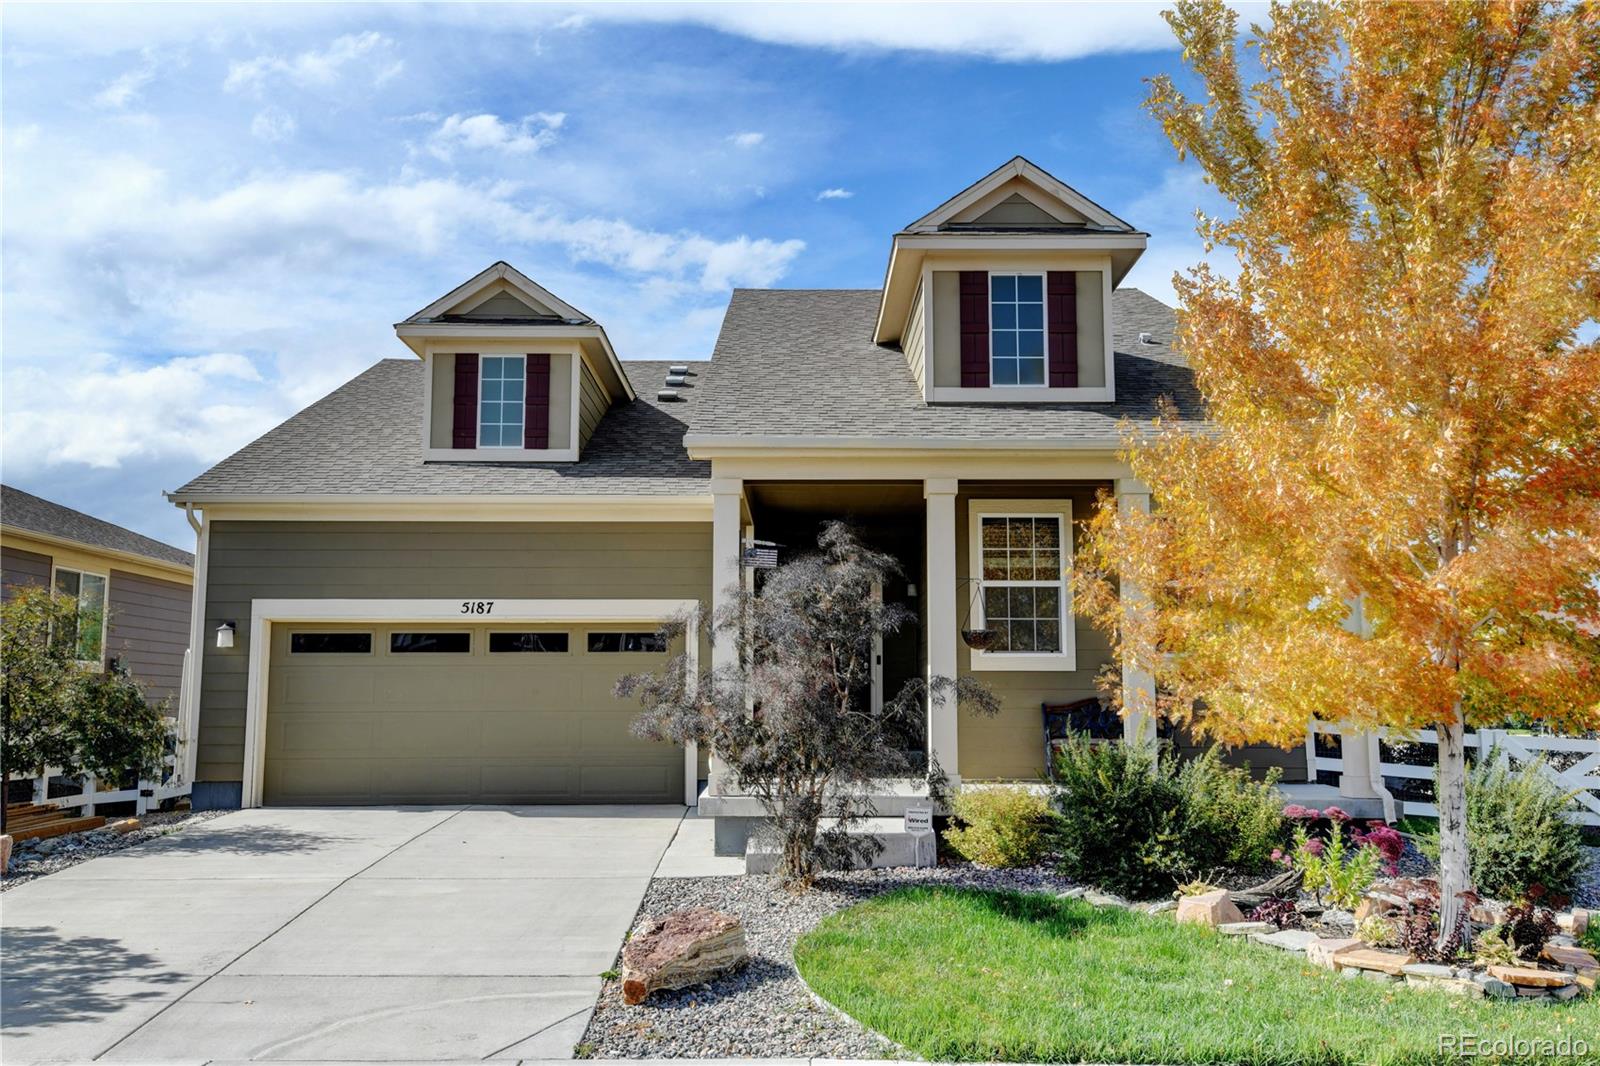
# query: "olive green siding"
420, 560
592, 404
1012, 744
147, 629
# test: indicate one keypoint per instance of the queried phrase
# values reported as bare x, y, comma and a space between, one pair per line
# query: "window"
88, 628
609, 642
330, 643
430, 643
1021, 552
502, 401
1016, 329
509, 642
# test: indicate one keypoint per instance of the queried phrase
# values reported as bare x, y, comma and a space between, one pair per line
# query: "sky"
213, 216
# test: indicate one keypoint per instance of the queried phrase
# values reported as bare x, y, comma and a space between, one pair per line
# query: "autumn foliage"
1402, 380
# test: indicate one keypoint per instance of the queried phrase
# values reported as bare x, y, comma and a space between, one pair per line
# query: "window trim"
105, 609
488, 644
522, 400
1044, 330
1063, 661
590, 634
389, 635
371, 635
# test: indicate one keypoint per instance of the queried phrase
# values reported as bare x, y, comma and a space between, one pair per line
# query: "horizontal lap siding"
1011, 745
592, 404
20, 569
148, 631
421, 560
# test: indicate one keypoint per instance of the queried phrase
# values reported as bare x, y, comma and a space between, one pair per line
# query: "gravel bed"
764, 1009
1587, 893
32, 859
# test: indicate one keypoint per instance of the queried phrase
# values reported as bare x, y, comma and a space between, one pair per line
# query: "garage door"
438, 714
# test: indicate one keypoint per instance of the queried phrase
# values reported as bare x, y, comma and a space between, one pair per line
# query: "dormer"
514, 373
1002, 294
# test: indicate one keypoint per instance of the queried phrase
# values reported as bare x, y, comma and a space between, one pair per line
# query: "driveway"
442, 933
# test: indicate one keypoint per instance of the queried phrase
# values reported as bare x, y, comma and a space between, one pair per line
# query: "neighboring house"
437, 572
133, 593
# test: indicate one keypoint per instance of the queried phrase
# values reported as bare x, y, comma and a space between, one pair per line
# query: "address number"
477, 606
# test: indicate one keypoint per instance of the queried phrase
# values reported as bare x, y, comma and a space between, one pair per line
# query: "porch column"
941, 598
1138, 684
727, 522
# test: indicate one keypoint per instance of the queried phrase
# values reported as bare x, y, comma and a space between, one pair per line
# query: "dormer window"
502, 403
1016, 329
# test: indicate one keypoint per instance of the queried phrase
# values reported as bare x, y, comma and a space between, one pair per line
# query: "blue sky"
213, 216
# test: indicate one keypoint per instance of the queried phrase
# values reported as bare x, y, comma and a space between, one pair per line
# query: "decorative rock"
1324, 951
1244, 928
1575, 921
1162, 906
1576, 959
1379, 976
5, 852
1209, 908
1528, 977
1285, 939
1097, 898
1075, 892
124, 826
1532, 993
1587, 980
1428, 971
1456, 987
1488, 912
681, 949
1389, 962
1351, 973
1565, 991
1495, 988
1379, 903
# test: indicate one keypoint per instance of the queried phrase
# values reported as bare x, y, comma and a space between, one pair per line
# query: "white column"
727, 522
1361, 772
943, 620
1138, 683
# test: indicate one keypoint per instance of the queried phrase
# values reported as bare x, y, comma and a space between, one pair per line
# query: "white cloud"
110, 412
126, 87
368, 55
747, 139
835, 194
490, 133
273, 124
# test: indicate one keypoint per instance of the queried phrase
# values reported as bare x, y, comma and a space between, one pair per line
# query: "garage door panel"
508, 727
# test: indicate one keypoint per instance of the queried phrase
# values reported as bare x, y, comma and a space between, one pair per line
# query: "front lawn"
969, 975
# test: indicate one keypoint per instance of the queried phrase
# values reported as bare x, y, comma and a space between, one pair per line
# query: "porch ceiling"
860, 499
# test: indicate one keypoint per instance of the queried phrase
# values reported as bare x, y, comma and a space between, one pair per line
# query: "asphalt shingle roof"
364, 438
801, 362
29, 513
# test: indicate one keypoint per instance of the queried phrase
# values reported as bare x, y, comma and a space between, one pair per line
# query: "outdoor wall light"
225, 635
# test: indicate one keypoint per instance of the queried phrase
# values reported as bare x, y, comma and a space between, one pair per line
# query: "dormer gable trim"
1034, 175
461, 297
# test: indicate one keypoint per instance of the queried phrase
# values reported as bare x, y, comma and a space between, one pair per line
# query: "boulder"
681, 949
1209, 908
1244, 928
1371, 959
1528, 977
1324, 951
1576, 959
1575, 921
1495, 988
5, 852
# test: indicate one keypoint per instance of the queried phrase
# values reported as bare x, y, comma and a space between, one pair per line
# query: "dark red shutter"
974, 329
464, 432
1061, 308
536, 417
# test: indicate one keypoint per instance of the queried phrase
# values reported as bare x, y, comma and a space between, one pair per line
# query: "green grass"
965, 975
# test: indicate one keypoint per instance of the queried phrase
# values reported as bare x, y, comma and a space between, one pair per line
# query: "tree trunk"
1455, 871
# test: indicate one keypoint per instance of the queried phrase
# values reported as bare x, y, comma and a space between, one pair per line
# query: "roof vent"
667, 395
678, 368
1147, 338
676, 379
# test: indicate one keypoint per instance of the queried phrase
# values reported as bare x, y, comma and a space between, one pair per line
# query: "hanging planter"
979, 639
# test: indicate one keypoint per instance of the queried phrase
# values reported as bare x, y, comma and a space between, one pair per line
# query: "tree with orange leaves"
1402, 382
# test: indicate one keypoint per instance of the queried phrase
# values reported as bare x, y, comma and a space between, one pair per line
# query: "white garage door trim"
265, 613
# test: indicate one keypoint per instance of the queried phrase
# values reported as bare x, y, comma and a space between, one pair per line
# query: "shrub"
1282, 913
1332, 870
1118, 825
1226, 818
1377, 931
1000, 826
1138, 824
1518, 834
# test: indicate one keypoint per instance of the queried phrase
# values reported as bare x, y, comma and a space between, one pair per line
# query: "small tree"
39, 683
1404, 411
792, 719
116, 732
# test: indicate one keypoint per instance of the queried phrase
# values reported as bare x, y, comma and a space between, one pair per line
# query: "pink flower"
1335, 814
1313, 846
1294, 810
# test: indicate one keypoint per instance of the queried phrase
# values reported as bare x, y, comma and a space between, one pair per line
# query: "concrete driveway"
442, 933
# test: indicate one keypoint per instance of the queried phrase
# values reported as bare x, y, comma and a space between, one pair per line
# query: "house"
133, 592
433, 577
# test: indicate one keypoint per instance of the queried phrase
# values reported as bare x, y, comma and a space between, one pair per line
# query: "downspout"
189, 697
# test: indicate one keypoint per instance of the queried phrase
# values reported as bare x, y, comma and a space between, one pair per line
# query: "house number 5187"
477, 606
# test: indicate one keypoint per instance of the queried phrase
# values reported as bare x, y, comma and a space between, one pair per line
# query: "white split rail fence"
1524, 752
